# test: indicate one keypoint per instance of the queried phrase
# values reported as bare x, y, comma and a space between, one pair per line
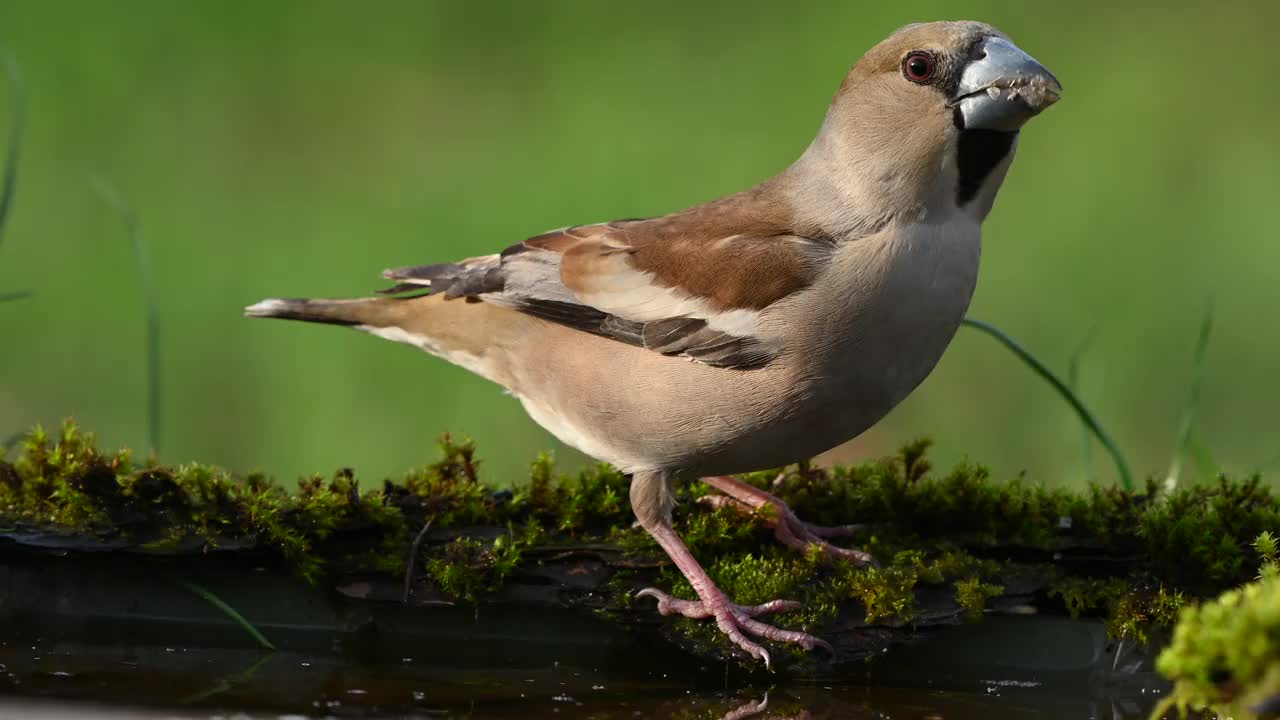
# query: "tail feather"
360, 311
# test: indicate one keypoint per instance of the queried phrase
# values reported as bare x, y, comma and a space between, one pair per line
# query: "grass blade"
1122, 466
1202, 456
230, 612
16, 127
117, 202
1073, 382
1188, 420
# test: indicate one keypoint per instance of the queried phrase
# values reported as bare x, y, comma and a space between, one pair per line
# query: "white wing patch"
619, 289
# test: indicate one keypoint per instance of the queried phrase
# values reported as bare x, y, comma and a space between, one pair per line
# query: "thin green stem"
1122, 466
152, 307
230, 612
1183, 441
1073, 382
1202, 455
10, 183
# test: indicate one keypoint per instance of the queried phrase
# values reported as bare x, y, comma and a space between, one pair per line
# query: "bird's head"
932, 113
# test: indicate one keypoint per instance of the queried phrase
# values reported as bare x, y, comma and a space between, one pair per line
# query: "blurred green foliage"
297, 148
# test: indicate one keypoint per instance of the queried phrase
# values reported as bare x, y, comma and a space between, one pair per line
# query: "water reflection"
207, 682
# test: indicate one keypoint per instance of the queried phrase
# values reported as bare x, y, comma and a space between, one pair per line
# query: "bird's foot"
738, 621
747, 710
787, 528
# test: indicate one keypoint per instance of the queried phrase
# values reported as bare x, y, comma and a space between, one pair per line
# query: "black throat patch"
978, 152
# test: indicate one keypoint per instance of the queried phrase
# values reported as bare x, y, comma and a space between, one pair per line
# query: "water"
104, 637
1003, 668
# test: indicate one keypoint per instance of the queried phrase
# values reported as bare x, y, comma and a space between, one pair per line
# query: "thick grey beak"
1004, 87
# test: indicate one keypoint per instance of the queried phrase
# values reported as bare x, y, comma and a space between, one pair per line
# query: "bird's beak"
1004, 87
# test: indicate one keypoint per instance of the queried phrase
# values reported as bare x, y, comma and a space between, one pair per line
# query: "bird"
751, 331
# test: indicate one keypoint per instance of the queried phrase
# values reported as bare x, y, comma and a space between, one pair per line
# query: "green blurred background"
297, 148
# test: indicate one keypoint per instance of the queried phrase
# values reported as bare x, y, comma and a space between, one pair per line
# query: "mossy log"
954, 547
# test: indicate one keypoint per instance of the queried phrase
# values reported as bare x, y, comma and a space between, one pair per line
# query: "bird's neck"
854, 184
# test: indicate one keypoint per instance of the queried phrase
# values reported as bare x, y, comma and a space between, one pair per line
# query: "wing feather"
691, 284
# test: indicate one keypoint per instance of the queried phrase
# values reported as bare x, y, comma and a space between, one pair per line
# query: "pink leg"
735, 621
789, 529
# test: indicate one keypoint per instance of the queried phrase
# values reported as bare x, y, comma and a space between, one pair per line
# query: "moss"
1130, 607
591, 501
449, 489
886, 593
68, 484
972, 594
889, 593
1225, 653
470, 569
1266, 547
1160, 548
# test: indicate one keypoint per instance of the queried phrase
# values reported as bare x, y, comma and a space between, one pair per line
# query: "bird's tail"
374, 312
475, 335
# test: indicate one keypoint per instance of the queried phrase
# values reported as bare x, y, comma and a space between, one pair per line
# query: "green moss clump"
470, 569
886, 593
594, 500
1131, 608
1225, 653
972, 594
1266, 546
1196, 537
449, 489
69, 485
1160, 548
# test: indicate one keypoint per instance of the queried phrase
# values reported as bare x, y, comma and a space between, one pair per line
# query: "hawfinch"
755, 330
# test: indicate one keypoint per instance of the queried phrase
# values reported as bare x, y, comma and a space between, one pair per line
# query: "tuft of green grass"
151, 305
1064, 391
1182, 445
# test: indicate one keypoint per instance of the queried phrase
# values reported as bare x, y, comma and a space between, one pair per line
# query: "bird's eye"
918, 66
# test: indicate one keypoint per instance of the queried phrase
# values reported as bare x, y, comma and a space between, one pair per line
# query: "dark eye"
918, 67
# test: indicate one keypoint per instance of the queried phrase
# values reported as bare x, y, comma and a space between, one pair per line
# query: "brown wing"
690, 284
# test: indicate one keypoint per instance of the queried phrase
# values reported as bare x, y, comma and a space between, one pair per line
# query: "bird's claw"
797, 534
737, 621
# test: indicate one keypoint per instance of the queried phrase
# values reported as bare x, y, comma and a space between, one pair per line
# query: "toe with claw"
739, 621
787, 528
